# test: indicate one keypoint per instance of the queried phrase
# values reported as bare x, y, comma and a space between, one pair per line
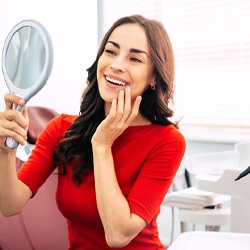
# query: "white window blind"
111, 10
211, 41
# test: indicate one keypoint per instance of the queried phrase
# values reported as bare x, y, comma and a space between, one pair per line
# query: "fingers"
25, 115
130, 109
127, 106
122, 110
121, 114
135, 110
11, 99
12, 123
120, 106
13, 114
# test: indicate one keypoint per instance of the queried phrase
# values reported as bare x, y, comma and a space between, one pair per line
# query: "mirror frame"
49, 58
29, 92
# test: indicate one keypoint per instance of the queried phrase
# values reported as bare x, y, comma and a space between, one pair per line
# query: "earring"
152, 87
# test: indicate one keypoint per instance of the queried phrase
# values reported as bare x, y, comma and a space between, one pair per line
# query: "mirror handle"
10, 142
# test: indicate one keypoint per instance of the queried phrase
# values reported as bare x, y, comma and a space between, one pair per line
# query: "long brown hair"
76, 145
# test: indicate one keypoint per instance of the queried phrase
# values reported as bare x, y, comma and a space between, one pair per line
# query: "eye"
134, 59
109, 51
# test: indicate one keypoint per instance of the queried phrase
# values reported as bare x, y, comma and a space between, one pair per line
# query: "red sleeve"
157, 173
40, 164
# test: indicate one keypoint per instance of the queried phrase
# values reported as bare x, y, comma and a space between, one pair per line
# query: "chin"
108, 97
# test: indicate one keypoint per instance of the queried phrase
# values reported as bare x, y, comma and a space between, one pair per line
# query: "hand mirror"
27, 61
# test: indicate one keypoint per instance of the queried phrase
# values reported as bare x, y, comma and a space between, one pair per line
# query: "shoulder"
165, 141
160, 132
59, 125
170, 132
169, 135
156, 136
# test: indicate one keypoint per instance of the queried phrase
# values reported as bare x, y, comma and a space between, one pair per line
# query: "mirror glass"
27, 61
25, 57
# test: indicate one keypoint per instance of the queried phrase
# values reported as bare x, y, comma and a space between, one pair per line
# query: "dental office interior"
207, 207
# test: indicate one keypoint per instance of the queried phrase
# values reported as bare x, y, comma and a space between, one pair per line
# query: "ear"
152, 85
152, 81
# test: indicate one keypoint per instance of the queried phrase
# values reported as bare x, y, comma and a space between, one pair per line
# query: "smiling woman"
117, 159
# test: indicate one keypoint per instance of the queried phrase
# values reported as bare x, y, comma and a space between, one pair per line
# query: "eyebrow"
131, 50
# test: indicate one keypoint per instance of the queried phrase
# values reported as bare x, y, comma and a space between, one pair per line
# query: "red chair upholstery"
40, 225
39, 117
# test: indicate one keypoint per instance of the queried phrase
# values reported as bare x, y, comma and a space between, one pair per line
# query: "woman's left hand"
120, 116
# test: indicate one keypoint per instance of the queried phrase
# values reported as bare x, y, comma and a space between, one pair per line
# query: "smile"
116, 82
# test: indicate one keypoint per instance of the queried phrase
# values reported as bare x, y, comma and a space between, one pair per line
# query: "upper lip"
116, 79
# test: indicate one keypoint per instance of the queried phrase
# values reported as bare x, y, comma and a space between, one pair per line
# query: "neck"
140, 120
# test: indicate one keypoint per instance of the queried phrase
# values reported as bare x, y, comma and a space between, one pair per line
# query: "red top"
146, 159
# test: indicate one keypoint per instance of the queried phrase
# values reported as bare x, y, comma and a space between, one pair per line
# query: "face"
124, 62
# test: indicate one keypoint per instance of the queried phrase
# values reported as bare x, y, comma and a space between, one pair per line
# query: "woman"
117, 159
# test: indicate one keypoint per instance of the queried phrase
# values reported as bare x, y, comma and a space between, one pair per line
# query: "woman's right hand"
13, 123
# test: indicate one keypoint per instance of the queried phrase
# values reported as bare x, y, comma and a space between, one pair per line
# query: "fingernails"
22, 143
21, 101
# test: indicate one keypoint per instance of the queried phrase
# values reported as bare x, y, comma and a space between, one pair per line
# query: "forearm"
120, 225
13, 193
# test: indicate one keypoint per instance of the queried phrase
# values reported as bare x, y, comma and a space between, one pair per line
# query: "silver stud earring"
152, 87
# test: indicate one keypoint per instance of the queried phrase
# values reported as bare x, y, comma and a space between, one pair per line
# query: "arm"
120, 225
13, 193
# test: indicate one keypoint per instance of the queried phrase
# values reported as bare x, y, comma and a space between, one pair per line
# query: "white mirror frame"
41, 81
39, 84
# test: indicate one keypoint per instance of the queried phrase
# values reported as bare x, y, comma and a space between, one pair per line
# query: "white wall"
73, 29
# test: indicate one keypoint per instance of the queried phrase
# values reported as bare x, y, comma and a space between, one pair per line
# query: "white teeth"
115, 81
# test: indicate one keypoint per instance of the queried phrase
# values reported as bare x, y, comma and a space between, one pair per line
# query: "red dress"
146, 159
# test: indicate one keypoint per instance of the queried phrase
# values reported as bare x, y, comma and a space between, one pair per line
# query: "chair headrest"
38, 119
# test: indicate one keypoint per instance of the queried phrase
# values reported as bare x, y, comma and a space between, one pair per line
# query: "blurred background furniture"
40, 225
211, 240
196, 207
199, 207
212, 196
238, 190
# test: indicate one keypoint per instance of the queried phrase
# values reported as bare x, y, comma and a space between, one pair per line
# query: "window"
211, 42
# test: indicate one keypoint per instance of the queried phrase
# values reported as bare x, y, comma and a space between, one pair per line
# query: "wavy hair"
76, 146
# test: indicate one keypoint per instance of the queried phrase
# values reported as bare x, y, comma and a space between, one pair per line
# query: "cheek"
142, 81
98, 70
100, 65
142, 84
139, 90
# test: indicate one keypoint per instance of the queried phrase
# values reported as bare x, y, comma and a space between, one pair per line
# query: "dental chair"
197, 207
40, 225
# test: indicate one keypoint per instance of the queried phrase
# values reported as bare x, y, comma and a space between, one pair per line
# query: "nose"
118, 64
